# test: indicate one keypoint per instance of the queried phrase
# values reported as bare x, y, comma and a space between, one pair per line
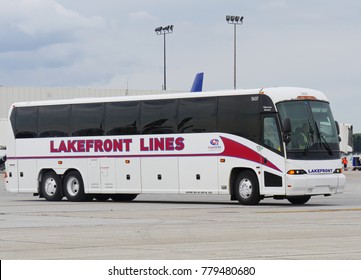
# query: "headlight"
296, 172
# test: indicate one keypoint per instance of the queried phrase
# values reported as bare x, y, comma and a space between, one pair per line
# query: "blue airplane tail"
198, 83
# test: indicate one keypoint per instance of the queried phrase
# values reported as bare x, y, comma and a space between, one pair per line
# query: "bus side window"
26, 122
197, 115
54, 121
271, 137
87, 119
159, 116
122, 118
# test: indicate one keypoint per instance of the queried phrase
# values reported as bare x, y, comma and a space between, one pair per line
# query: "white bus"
249, 144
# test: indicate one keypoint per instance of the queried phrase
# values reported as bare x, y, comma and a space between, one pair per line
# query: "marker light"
338, 170
306, 97
296, 172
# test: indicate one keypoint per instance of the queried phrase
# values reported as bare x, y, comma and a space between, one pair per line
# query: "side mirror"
337, 127
287, 130
338, 131
287, 126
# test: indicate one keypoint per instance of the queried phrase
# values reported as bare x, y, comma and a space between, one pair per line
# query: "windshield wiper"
323, 140
309, 138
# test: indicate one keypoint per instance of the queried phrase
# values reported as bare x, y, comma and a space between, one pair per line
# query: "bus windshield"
314, 134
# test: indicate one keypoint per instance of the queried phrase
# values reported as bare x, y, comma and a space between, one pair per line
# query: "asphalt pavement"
183, 227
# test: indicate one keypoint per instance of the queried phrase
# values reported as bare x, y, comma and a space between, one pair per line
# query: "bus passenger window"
26, 122
271, 136
159, 116
122, 118
197, 115
87, 119
54, 121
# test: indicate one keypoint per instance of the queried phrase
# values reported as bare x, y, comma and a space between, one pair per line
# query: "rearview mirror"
337, 127
287, 130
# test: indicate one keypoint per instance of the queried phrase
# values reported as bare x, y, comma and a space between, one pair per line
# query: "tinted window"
159, 116
122, 118
26, 122
197, 115
54, 121
271, 136
86, 119
239, 115
13, 120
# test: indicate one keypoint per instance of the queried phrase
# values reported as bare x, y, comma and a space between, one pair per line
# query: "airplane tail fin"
198, 83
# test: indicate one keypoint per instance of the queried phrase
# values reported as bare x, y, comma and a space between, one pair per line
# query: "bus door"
273, 162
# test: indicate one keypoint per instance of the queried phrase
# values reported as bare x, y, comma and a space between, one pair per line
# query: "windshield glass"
313, 130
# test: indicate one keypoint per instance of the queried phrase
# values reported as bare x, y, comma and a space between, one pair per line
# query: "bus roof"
277, 94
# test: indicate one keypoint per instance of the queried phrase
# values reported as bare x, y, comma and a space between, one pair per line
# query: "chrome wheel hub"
245, 188
50, 186
73, 186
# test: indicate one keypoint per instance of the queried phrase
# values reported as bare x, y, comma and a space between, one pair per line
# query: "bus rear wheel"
299, 200
246, 188
50, 187
74, 186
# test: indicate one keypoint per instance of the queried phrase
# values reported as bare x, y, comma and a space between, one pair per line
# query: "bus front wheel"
50, 187
74, 186
246, 188
299, 200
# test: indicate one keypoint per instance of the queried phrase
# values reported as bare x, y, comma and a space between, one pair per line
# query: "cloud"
142, 15
38, 17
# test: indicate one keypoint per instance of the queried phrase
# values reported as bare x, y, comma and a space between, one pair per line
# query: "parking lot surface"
182, 227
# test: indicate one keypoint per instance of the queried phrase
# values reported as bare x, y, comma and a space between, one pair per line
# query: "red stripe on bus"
237, 150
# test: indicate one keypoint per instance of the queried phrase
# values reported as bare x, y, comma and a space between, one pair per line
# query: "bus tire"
50, 187
246, 188
299, 200
101, 197
74, 187
123, 197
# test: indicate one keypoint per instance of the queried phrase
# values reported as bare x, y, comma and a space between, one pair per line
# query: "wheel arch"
60, 172
78, 194
41, 175
234, 173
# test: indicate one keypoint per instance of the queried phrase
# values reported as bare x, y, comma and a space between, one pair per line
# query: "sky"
112, 44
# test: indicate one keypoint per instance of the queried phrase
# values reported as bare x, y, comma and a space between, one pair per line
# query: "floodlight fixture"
164, 30
235, 20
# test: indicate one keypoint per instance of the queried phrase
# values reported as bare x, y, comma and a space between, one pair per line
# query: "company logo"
215, 145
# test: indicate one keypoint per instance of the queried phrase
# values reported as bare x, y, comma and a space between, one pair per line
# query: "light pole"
164, 31
235, 20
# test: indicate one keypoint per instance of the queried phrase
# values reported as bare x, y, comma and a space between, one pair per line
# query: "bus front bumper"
315, 184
